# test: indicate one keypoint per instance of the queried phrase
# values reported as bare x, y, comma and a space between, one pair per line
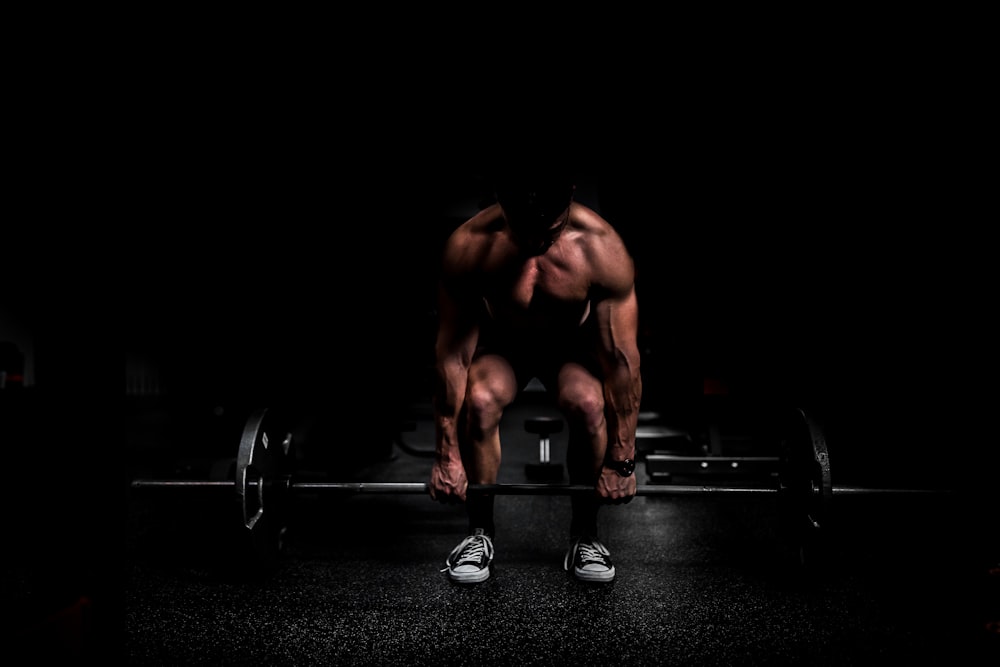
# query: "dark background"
815, 268
276, 243
804, 228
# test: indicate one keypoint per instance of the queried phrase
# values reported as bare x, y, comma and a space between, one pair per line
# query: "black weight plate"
263, 478
805, 488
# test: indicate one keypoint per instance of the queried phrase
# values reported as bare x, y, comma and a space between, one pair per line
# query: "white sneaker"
589, 560
470, 561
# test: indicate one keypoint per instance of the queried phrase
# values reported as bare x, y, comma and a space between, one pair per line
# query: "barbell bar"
501, 489
264, 481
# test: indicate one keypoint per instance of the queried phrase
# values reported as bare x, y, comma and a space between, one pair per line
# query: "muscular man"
540, 286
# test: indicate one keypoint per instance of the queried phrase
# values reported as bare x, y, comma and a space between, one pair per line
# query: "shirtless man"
536, 285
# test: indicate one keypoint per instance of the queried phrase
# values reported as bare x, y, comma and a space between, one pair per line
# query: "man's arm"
618, 322
454, 346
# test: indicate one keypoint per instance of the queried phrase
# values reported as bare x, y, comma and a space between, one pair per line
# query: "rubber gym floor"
702, 580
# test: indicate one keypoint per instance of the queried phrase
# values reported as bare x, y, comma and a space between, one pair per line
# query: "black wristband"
624, 468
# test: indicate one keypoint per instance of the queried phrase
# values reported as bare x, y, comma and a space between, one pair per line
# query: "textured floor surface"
701, 581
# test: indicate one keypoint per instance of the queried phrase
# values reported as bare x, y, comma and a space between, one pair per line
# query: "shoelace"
471, 550
590, 554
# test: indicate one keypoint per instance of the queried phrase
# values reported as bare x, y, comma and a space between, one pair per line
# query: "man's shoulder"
470, 244
609, 262
479, 227
599, 234
589, 220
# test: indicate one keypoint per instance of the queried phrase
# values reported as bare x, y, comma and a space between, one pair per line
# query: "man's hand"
448, 482
614, 488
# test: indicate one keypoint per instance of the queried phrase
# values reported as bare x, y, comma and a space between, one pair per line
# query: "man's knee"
484, 406
585, 411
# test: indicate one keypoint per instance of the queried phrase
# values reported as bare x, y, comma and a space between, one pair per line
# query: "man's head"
536, 207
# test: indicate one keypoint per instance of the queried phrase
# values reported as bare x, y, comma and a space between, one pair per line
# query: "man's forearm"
447, 407
623, 396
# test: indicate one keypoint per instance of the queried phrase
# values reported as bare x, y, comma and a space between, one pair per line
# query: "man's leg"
492, 387
581, 399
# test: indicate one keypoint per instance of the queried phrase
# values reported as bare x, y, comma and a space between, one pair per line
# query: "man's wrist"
624, 467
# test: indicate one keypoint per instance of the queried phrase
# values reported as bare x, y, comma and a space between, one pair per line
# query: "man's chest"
539, 292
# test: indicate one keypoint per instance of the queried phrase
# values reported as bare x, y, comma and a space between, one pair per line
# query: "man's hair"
532, 192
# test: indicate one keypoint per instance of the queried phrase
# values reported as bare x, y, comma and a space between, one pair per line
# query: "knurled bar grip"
404, 488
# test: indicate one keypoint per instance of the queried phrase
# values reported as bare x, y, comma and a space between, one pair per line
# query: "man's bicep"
618, 323
458, 331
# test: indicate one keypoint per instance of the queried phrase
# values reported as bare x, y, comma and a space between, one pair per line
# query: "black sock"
584, 521
480, 509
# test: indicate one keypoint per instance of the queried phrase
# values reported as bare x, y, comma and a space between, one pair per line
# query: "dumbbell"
543, 469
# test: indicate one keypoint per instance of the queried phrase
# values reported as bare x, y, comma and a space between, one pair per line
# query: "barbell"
264, 482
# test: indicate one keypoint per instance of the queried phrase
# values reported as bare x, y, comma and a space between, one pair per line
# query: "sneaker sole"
601, 577
470, 577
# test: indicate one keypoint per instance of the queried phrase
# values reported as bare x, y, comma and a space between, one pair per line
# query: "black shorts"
541, 357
